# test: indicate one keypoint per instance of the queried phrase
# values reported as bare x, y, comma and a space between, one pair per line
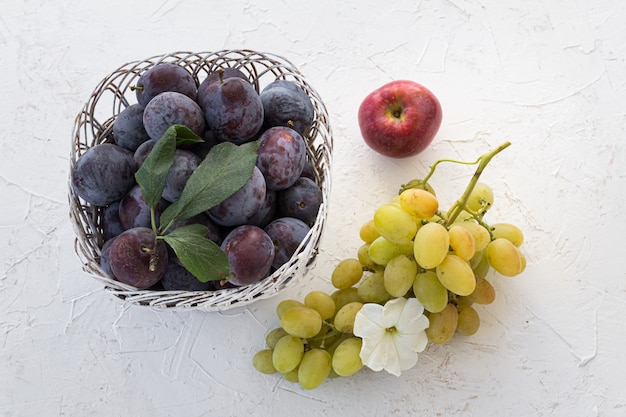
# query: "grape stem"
482, 162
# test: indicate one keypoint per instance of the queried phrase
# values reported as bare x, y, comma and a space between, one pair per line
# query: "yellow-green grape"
314, 368
468, 321
301, 322
372, 289
286, 305
419, 203
262, 361
346, 357
442, 325
395, 224
484, 293
456, 275
368, 231
504, 257
481, 266
347, 273
345, 296
363, 254
399, 275
319, 340
288, 353
509, 232
431, 245
464, 216
430, 292
462, 242
523, 257
274, 336
344, 319
463, 301
481, 198
322, 303
381, 250
480, 234
291, 376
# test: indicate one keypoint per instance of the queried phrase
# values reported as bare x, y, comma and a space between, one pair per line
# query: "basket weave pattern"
94, 125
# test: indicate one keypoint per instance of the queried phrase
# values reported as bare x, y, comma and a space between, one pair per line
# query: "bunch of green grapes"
314, 341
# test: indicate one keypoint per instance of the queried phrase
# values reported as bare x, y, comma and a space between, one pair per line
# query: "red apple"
400, 118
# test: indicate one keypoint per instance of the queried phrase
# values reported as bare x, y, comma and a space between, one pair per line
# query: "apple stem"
461, 203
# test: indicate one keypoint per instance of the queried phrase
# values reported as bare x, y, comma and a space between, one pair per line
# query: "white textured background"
549, 76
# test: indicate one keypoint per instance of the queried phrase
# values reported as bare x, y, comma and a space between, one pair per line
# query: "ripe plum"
215, 77
170, 108
128, 129
164, 77
281, 156
143, 151
267, 210
250, 253
286, 104
242, 206
135, 212
103, 174
138, 258
111, 224
302, 200
177, 277
287, 233
185, 163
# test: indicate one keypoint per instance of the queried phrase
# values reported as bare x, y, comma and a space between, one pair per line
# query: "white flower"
392, 334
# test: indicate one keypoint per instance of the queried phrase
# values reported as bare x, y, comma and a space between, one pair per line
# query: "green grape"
468, 321
322, 303
364, 257
430, 292
442, 325
463, 301
419, 203
368, 231
372, 289
481, 265
314, 368
345, 296
481, 198
344, 319
395, 224
288, 353
381, 250
504, 257
399, 274
462, 242
480, 234
262, 361
274, 336
286, 305
431, 245
456, 275
346, 357
347, 273
484, 293
291, 376
509, 232
301, 322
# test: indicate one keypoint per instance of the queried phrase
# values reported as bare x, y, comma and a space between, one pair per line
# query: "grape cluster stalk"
411, 249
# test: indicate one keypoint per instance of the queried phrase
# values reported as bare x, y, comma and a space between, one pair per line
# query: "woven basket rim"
91, 128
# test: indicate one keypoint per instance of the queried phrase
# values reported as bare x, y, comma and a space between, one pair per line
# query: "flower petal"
392, 312
412, 319
383, 356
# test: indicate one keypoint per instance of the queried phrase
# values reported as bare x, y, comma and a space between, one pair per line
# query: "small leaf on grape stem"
225, 170
152, 174
199, 255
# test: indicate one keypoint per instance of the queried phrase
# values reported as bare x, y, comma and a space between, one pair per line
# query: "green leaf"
186, 136
199, 255
225, 170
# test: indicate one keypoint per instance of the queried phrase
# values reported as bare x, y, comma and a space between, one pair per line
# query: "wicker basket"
94, 125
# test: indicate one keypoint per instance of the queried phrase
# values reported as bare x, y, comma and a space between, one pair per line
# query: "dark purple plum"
302, 200
135, 212
185, 163
215, 77
105, 262
172, 108
267, 210
243, 205
143, 151
287, 233
286, 104
111, 224
281, 157
138, 258
177, 278
103, 174
308, 171
128, 129
250, 253
164, 77
233, 110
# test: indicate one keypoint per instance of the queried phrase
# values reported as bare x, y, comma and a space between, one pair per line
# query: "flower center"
391, 329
